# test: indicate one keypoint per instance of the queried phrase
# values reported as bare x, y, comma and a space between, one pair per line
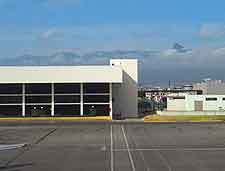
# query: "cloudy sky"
43, 27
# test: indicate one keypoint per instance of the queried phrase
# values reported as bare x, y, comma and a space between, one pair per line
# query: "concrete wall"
207, 105
175, 113
176, 104
125, 94
188, 104
60, 74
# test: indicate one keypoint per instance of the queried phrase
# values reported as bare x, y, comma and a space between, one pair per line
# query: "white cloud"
174, 52
212, 30
219, 51
169, 52
198, 58
50, 32
60, 33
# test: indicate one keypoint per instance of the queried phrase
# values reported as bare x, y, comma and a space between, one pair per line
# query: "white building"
209, 86
70, 90
195, 104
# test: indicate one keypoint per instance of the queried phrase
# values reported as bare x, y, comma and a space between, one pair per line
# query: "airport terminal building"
106, 90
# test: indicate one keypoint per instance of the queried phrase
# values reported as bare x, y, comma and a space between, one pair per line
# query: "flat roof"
61, 74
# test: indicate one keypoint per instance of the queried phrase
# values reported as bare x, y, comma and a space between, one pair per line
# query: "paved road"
114, 147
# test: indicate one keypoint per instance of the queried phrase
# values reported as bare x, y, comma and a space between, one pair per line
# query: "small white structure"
195, 104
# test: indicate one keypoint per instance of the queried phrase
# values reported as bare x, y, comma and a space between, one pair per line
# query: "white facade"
125, 95
197, 103
61, 74
121, 78
175, 104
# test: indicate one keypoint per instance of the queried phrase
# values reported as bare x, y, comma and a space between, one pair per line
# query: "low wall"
173, 113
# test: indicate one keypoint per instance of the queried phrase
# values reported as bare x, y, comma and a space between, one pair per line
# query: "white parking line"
174, 149
112, 156
128, 149
164, 160
10, 147
145, 162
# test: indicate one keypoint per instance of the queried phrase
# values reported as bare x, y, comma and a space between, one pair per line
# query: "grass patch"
185, 118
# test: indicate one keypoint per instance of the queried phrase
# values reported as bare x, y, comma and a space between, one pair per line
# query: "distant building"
188, 87
163, 93
209, 86
196, 103
158, 97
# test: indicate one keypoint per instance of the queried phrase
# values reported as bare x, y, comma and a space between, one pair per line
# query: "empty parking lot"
110, 146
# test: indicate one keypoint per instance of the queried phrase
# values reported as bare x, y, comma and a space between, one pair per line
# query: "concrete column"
110, 99
81, 99
53, 100
23, 100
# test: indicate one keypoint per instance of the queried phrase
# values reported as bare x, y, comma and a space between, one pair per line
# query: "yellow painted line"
159, 121
207, 121
97, 118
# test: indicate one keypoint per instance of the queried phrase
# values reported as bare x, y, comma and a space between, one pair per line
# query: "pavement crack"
44, 136
29, 147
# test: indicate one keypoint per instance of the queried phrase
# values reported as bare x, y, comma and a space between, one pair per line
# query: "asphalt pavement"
113, 147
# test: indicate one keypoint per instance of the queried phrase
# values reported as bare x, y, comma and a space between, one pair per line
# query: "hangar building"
93, 90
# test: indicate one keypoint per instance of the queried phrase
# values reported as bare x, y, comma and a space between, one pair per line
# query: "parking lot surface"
114, 147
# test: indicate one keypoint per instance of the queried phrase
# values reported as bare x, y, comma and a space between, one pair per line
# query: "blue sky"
43, 27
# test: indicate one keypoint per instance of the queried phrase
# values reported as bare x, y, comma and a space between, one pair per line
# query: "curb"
206, 121
97, 118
